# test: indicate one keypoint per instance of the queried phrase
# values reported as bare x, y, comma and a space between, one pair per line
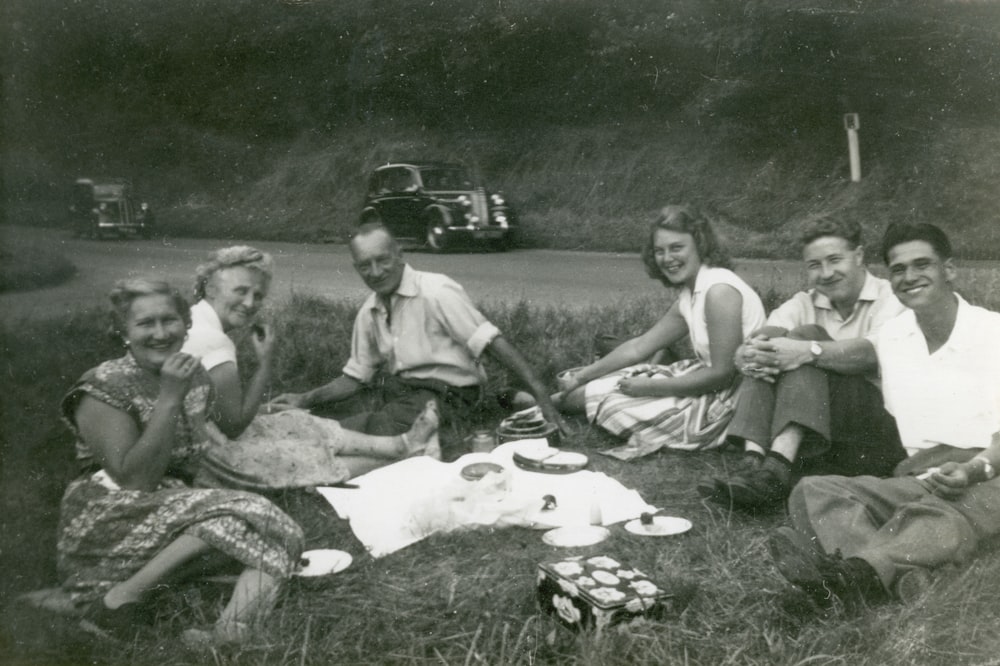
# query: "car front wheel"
435, 233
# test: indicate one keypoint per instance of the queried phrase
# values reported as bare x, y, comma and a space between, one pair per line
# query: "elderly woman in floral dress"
132, 520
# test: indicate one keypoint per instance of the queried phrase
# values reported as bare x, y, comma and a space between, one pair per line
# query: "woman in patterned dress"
685, 405
132, 520
288, 448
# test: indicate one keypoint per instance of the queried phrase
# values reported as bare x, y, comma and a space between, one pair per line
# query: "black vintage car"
437, 205
105, 206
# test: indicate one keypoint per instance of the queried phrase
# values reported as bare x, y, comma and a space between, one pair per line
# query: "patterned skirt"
687, 423
288, 449
106, 534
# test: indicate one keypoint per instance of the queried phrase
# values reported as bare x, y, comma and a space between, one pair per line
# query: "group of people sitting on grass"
872, 406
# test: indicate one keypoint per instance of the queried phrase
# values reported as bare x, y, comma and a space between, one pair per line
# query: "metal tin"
481, 441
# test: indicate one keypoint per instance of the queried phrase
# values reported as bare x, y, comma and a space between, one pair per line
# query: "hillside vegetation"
261, 119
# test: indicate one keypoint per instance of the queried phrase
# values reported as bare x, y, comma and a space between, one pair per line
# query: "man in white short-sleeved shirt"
420, 336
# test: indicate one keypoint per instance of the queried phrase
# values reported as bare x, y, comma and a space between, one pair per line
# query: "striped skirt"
687, 423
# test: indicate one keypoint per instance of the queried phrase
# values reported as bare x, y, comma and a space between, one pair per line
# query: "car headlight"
496, 200
464, 200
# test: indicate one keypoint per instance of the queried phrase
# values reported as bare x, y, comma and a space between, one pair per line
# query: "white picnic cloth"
404, 502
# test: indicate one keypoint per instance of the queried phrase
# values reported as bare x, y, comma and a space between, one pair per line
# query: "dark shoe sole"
797, 560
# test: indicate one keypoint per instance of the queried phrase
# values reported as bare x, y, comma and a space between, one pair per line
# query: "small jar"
482, 441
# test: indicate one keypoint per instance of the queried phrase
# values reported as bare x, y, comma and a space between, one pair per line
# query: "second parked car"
438, 205
105, 207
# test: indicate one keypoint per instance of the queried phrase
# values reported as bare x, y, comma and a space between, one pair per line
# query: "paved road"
540, 277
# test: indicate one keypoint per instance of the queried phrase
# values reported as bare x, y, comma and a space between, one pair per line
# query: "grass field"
29, 265
464, 598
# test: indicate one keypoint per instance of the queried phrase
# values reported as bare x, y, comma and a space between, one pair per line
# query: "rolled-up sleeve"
364, 360
464, 323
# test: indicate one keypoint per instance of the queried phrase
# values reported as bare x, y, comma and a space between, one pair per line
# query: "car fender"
370, 214
444, 211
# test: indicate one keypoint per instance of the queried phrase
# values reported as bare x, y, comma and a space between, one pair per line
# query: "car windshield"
445, 178
109, 191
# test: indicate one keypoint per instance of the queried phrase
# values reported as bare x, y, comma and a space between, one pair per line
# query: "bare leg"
177, 553
253, 598
573, 402
422, 438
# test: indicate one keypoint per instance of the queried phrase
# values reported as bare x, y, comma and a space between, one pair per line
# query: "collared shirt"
691, 305
435, 332
876, 305
207, 339
951, 396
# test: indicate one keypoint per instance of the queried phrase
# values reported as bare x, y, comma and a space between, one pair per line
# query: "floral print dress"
107, 533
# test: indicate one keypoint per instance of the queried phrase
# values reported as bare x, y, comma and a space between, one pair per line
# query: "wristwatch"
988, 470
816, 350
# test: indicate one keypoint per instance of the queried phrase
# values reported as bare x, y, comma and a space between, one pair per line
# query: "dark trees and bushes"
200, 96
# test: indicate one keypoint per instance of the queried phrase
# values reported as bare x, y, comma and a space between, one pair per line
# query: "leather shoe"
761, 488
823, 577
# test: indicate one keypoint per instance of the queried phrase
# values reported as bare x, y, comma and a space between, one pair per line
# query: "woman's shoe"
121, 623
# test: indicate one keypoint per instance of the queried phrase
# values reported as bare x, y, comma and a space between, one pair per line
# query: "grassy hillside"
592, 187
262, 119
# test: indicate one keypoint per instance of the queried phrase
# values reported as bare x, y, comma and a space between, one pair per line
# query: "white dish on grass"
661, 526
323, 562
576, 535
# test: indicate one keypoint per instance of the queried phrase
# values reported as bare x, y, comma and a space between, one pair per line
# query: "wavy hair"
228, 257
125, 292
905, 232
686, 220
836, 227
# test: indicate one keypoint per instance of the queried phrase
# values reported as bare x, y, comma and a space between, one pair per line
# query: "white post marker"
852, 123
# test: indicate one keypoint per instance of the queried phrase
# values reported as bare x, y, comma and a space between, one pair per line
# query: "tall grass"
465, 598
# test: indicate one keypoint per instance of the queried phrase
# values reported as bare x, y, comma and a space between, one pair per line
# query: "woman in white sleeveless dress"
685, 405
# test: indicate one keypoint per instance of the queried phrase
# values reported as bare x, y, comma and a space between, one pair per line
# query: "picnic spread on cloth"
402, 503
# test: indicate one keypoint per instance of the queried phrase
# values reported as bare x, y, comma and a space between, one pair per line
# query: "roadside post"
852, 123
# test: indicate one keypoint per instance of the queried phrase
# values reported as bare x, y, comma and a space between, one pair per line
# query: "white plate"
576, 535
661, 526
324, 562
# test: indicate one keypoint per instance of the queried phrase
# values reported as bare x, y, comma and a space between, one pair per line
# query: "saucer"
661, 526
323, 562
576, 535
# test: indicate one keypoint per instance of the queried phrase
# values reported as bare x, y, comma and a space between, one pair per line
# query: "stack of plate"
527, 424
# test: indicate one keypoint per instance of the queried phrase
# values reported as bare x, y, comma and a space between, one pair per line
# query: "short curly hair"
125, 292
687, 220
227, 257
837, 227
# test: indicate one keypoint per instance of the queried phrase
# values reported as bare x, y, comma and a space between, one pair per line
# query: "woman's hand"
569, 380
176, 374
642, 386
262, 337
